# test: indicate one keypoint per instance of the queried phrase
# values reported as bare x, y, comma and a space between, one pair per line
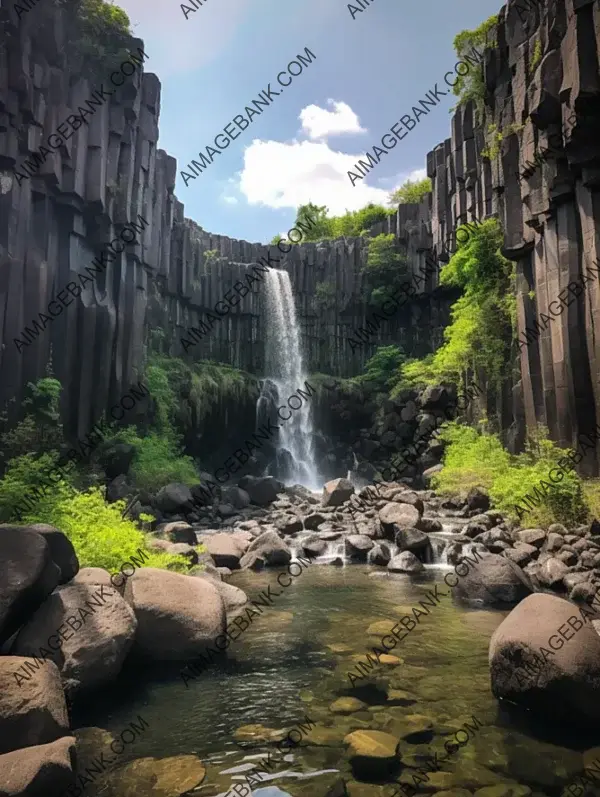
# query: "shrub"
25, 474
385, 270
471, 86
40, 430
475, 459
100, 536
352, 224
158, 460
325, 295
99, 36
381, 369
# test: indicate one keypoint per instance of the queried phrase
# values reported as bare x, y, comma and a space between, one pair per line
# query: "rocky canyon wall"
111, 172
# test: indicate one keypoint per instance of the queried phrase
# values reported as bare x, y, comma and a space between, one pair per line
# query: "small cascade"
295, 461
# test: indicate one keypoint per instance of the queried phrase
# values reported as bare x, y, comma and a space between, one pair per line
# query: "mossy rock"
504, 790
373, 754
380, 628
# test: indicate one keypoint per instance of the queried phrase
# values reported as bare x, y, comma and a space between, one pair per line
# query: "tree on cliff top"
411, 192
471, 86
351, 224
99, 34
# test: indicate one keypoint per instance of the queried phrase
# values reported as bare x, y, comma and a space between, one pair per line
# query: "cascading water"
284, 376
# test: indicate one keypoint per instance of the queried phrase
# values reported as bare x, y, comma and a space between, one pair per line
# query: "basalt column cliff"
111, 172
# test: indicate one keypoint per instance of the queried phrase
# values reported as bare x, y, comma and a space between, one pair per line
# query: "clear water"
293, 661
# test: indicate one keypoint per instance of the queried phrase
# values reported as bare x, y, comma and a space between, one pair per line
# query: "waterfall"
284, 374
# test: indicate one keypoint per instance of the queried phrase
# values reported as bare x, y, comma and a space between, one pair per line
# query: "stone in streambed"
159, 777
347, 705
405, 562
336, 492
373, 754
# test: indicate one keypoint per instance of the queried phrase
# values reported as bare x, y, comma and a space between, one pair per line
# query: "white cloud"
320, 123
417, 175
229, 200
285, 175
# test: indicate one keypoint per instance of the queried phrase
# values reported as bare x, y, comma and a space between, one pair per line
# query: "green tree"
385, 270
99, 35
382, 369
411, 191
471, 86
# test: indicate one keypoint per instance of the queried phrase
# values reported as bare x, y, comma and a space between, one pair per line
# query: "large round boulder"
261, 489
411, 540
33, 710
86, 630
336, 492
405, 562
177, 616
494, 580
267, 550
40, 771
61, 548
357, 546
394, 516
226, 550
174, 497
545, 655
28, 574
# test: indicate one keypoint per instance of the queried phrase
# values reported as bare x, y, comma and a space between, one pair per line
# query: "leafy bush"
23, 475
325, 295
158, 460
40, 430
411, 192
471, 86
100, 536
385, 270
99, 35
475, 459
381, 369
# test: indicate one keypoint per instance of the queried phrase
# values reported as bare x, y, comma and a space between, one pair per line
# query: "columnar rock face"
110, 173
543, 93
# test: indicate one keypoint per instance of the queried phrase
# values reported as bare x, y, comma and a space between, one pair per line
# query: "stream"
293, 661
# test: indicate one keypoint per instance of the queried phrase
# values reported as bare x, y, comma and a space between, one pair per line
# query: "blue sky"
368, 72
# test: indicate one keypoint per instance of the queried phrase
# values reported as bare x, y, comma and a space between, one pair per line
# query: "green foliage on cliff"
411, 192
477, 459
471, 86
478, 339
385, 270
536, 56
351, 224
99, 36
381, 369
40, 430
325, 295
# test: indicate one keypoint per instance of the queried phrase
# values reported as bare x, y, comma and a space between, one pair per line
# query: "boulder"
532, 537
179, 531
411, 540
34, 711
267, 550
184, 550
405, 562
261, 489
233, 597
395, 515
336, 492
288, 524
478, 498
494, 580
564, 682
174, 497
379, 554
313, 521
61, 548
97, 627
430, 525
226, 550
159, 777
357, 547
177, 615
554, 542
91, 575
373, 754
41, 771
521, 554
552, 572
237, 497
313, 545
28, 574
